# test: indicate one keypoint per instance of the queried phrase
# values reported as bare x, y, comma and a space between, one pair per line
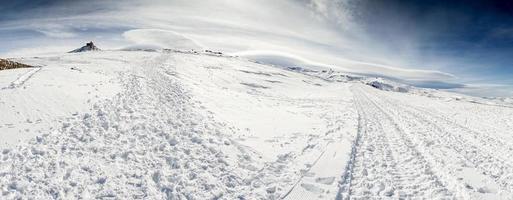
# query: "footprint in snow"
312, 188
325, 180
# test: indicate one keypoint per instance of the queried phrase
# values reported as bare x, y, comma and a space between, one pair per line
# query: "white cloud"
314, 31
486, 90
55, 30
37, 51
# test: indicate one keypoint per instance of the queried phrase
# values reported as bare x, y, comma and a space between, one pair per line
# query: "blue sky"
464, 46
472, 39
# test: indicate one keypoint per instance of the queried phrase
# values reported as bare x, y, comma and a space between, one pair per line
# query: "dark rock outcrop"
7, 64
88, 47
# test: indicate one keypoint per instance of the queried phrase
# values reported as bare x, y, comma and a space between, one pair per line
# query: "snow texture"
186, 124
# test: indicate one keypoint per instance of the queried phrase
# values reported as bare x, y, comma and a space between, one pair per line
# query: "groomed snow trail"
151, 141
386, 163
408, 152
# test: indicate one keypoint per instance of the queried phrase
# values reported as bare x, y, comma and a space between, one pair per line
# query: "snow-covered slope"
382, 84
191, 125
34, 100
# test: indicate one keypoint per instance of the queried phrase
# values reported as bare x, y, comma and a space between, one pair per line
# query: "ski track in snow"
423, 155
156, 140
386, 163
23, 78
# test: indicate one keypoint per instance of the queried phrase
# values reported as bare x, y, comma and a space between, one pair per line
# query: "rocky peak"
88, 47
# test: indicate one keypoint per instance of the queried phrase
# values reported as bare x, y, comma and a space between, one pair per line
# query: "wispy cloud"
485, 90
329, 33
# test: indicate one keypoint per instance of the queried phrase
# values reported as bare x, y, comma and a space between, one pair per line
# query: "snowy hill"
201, 125
382, 84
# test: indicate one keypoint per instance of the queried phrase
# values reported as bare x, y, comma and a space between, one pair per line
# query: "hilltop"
88, 47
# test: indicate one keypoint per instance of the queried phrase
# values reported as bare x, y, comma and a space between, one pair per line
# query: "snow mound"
504, 100
336, 76
88, 47
163, 39
298, 64
387, 85
141, 47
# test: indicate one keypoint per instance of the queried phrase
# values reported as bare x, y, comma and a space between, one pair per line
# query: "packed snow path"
405, 152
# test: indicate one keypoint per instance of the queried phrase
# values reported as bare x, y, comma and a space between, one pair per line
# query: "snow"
382, 84
34, 100
7, 77
303, 122
185, 124
21, 79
